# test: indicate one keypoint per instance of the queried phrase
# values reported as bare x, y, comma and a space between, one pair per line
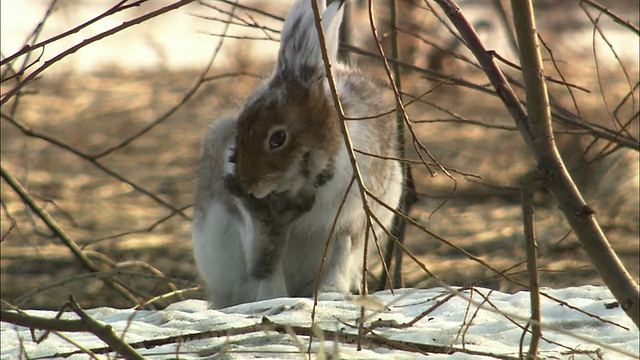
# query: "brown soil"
118, 226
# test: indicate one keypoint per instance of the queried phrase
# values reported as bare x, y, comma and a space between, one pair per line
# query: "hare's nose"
261, 189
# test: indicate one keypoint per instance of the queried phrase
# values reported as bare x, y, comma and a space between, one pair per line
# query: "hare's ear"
300, 56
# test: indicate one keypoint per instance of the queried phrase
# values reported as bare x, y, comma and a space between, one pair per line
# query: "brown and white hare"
271, 181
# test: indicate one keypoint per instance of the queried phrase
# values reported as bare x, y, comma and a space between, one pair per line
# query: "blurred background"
106, 139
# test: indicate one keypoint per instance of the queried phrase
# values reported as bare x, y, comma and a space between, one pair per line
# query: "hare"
272, 181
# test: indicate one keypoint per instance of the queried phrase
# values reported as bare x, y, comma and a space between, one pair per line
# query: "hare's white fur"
224, 232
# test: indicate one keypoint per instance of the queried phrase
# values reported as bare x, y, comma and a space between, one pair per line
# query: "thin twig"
547, 77
599, 76
539, 138
201, 79
555, 65
559, 113
316, 290
245, 7
97, 275
60, 233
530, 185
61, 144
105, 333
30, 48
344, 129
625, 23
127, 24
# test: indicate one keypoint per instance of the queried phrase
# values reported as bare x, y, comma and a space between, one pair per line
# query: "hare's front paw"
289, 206
283, 208
278, 209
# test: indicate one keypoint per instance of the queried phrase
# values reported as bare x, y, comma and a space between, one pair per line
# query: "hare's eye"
277, 139
233, 154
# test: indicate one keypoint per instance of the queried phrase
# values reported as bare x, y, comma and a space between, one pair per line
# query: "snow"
495, 330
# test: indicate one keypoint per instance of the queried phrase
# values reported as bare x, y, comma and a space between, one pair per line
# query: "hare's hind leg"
273, 286
220, 258
343, 270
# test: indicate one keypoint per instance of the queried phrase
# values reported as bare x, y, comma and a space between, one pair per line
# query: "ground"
100, 200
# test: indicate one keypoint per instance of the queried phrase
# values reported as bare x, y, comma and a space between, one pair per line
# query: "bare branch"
122, 5
60, 233
127, 24
625, 23
105, 333
29, 132
530, 185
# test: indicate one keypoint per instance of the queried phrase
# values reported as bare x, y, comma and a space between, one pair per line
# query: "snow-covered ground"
599, 329
176, 41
